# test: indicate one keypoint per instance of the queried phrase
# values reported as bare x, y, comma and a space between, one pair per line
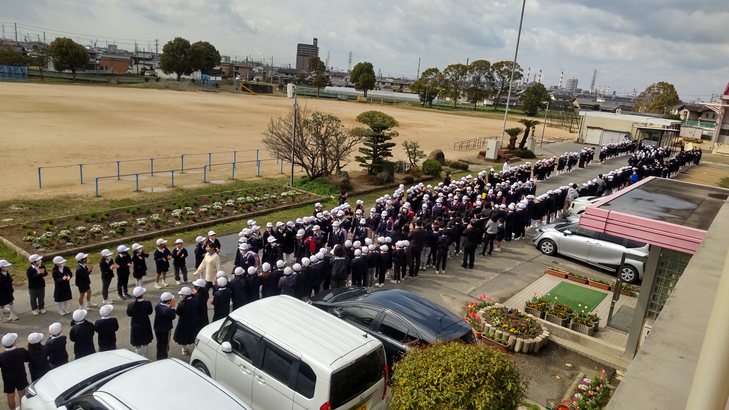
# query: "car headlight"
30, 391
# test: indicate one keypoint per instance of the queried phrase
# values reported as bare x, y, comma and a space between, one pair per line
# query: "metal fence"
473, 143
12, 73
162, 172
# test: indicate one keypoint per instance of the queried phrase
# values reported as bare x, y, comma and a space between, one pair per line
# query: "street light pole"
293, 135
544, 125
513, 67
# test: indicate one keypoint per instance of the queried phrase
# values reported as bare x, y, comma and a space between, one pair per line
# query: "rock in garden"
437, 155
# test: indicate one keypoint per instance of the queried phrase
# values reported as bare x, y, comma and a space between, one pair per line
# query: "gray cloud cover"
631, 43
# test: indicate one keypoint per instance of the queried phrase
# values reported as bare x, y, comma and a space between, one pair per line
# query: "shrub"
457, 165
432, 167
456, 376
524, 153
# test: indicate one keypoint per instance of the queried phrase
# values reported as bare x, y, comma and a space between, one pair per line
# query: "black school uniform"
139, 262
221, 303
62, 289
253, 286
238, 291
161, 261
82, 336
199, 254
83, 278
203, 296
55, 351
106, 328
122, 274
287, 285
12, 365
164, 315
141, 333
6, 288
188, 324
37, 361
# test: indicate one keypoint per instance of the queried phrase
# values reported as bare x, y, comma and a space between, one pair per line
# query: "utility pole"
293, 136
44, 36
3, 24
513, 67
156, 46
16, 31
418, 74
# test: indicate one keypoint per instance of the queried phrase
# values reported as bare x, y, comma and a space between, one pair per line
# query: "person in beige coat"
209, 266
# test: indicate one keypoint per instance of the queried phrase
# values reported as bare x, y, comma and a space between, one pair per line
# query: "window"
305, 381
219, 336
277, 364
85, 403
244, 342
611, 238
359, 315
351, 381
633, 244
584, 232
396, 329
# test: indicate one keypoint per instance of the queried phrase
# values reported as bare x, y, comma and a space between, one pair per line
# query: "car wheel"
629, 274
548, 247
201, 367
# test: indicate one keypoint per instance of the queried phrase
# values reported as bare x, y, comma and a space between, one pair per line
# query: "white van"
281, 353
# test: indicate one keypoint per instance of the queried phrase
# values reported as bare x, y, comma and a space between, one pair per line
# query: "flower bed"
56, 236
626, 289
591, 393
504, 328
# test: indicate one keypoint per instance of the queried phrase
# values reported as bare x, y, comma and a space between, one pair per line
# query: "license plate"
362, 406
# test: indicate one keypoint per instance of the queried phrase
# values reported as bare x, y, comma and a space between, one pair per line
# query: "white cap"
122, 248
290, 224
178, 240
220, 274
80, 256
313, 259
200, 283
288, 271
335, 224
105, 310
383, 248
279, 224
211, 233
271, 239
104, 253
79, 315
35, 337
252, 269
269, 224
160, 241
166, 296
305, 262
136, 246
297, 267
58, 260
55, 329
301, 232
34, 258
368, 241
357, 252
185, 291
244, 246
280, 264
9, 339
316, 228
251, 222
222, 282
4, 263
138, 291
239, 271
199, 239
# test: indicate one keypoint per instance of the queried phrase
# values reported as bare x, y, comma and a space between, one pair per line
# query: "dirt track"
69, 124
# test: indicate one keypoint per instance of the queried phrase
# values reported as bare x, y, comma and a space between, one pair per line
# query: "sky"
630, 43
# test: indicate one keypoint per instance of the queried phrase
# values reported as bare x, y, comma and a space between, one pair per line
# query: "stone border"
515, 343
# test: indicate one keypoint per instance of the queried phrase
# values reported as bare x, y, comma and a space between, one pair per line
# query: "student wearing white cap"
162, 257
55, 349
106, 328
209, 266
221, 299
253, 282
238, 288
62, 280
179, 257
81, 334
83, 280
188, 324
139, 312
139, 263
106, 266
201, 291
36, 284
37, 361
213, 240
124, 264
6, 291
164, 315
12, 365
199, 250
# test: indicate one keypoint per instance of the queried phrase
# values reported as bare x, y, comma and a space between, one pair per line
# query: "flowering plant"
592, 394
584, 317
561, 310
512, 321
538, 302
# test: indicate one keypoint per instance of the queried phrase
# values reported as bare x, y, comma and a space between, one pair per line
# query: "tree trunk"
523, 142
365, 93
512, 142
178, 76
73, 74
317, 92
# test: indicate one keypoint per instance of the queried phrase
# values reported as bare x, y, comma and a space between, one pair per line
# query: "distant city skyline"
631, 44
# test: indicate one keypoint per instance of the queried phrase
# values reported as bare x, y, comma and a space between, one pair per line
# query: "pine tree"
377, 140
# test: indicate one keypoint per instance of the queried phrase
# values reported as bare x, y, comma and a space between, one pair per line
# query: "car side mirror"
337, 311
226, 347
567, 232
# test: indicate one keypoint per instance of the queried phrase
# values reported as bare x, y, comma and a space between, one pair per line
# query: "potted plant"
537, 306
599, 283
584, 321
559, 314
557, 272
491, 340
576, 277
628, 290
474, 320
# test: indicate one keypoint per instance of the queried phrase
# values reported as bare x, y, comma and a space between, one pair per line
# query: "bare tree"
322, 145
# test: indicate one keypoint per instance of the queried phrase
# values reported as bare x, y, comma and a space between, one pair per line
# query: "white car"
121, 379
577, 207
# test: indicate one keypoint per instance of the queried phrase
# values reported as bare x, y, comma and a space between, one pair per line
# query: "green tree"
13, 58
413, 152
319, 77
502, 72
513, 135
176, 57
480, 81
529, 127
203, 56
454, 77
534, 97
428, 86
363, 77
377, 140
658, 98
68, 55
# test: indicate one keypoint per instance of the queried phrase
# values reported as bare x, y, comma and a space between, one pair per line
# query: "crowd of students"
413, 229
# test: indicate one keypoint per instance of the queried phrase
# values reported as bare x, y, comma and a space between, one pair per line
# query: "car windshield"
354, 379
94, 382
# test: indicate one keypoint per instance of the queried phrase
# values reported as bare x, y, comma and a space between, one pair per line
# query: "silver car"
596, 248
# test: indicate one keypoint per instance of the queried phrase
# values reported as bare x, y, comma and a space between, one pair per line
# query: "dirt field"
70, 124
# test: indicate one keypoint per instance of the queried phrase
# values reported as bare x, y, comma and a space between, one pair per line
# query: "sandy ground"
71, 124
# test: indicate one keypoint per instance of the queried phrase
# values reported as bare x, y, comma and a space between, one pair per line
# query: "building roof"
668, 213
630, 117
693, 107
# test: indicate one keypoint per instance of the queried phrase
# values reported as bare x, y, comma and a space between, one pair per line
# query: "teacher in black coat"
188, 323
140, 310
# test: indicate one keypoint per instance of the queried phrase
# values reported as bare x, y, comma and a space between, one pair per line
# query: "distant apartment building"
570, 85
304, 53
